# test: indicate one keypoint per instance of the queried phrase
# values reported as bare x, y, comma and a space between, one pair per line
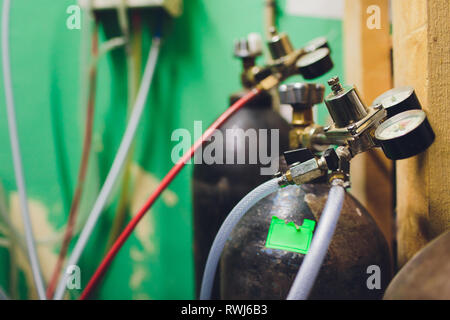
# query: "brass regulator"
395, 122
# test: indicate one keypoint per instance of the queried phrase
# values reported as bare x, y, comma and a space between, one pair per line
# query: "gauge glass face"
316, 43
395, 99
313, 57
400, 125
394, 96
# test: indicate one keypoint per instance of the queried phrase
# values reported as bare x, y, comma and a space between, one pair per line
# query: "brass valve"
302, 97
359, 128
248, 49
356, 129
311, 62
280, 45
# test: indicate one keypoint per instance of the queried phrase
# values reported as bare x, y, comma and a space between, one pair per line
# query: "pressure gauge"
405, 134
315, 63
398, 100
317, 43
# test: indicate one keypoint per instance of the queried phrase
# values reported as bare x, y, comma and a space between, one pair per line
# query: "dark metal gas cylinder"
249, 270
426, 276
217, 188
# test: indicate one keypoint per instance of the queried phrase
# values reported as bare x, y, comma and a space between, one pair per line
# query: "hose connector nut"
305, 172
337, 180
303, 167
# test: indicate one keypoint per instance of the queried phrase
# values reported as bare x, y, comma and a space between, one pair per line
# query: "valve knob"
298, 156
250, 47
331, 159
301, 94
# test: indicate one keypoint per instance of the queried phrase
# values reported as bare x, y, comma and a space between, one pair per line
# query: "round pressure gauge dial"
398, 100
405, 134
314, 64
317, 43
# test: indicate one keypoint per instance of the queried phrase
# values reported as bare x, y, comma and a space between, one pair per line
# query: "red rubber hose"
93, 282
73, 213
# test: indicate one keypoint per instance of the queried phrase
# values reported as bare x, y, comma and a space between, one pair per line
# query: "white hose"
311, 264
225, 230
116, 166
17, 159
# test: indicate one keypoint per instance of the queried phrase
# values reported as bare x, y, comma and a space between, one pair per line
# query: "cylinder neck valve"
279, 45
302, 97
248, 49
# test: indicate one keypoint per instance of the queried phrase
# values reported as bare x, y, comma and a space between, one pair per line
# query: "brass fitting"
302, 173
269, 82
342, 174
311, 61
303, 127
302, 97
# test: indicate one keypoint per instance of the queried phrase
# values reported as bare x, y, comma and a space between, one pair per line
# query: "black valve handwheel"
405, 134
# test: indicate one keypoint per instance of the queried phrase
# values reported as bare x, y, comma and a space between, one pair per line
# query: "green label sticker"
289, 237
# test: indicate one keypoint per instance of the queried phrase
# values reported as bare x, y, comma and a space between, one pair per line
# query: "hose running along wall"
116, 166
17, 158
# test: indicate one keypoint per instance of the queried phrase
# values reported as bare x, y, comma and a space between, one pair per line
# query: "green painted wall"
195, 75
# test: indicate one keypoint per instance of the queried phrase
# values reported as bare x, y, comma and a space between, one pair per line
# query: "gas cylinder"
217, 188
250, 270
426, 275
